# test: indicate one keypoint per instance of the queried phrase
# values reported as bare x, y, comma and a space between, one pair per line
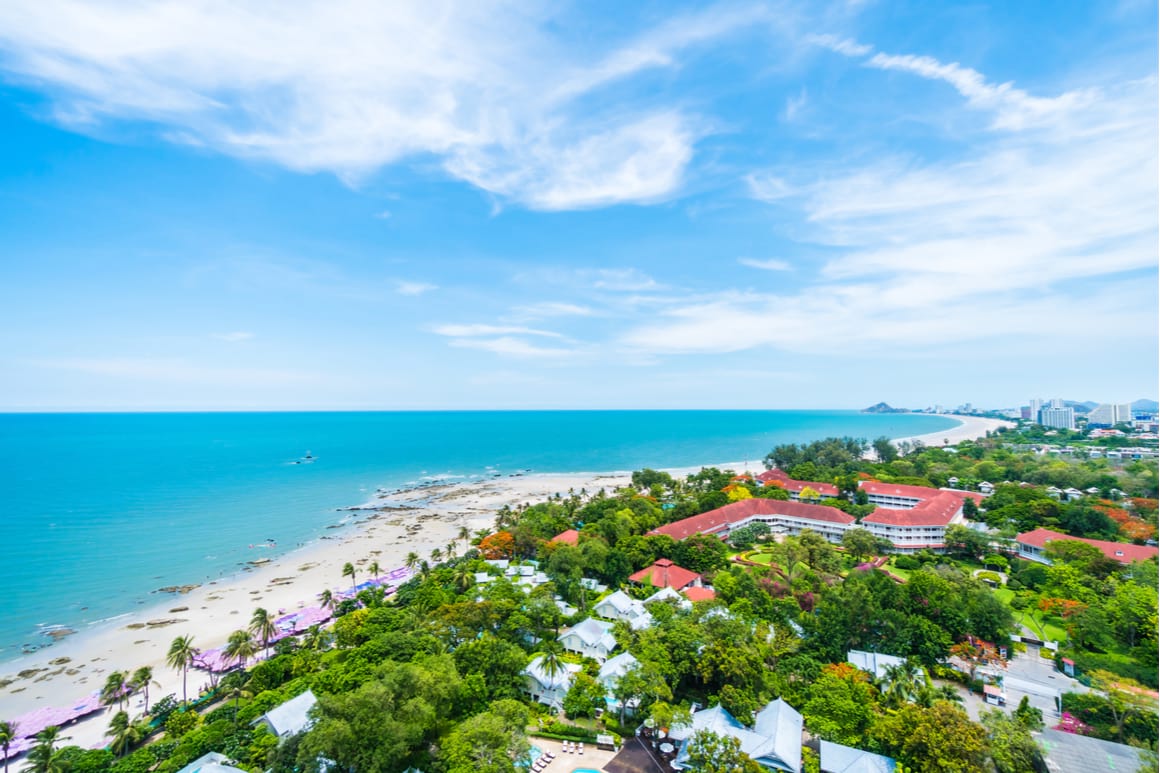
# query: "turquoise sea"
99, 510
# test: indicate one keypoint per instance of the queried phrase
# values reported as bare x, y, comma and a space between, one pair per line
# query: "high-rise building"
1110, 414
1035, 407
1057, 418
1056, 402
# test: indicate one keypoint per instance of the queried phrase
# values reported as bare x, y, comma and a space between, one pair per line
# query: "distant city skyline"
446, 206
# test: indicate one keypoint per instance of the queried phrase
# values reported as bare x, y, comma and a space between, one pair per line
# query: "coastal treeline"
434, 676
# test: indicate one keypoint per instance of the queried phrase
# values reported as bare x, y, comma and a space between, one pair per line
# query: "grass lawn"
903, 573
760, 558
1047, 628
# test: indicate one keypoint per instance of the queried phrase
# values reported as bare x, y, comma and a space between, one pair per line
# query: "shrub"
909, 563
181, 722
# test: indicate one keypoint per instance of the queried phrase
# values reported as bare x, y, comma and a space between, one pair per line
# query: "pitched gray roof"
836, 758
291, 717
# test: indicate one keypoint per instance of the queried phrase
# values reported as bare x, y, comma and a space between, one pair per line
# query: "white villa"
591, 638
621, 606
290, 718
775, 742
611, 673
549, 690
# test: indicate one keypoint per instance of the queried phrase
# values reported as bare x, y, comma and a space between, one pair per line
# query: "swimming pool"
533, 754
584, 770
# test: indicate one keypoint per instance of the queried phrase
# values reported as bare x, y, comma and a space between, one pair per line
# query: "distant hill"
1085, 407
1146, 406
884, 408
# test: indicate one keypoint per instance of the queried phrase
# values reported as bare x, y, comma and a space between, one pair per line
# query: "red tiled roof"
570, 537
898, 490
935, 511
715, 520
1127, 553
789, 484
699, 593
665, 574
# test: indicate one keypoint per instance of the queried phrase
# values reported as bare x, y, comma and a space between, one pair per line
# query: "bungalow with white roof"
291, 717
621, 606
211, 762
836, 758
987, 488
549, 690
1054, 492
774, 743
874, 663
1072, 494
591, 638
668, 594
610, 675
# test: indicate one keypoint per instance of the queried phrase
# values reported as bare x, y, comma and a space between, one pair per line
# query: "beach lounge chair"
549, 756
581, 747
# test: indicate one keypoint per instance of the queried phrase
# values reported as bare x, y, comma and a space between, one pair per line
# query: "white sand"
970, 428
79, 665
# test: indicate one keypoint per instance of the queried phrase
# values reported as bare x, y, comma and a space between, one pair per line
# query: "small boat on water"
308, 459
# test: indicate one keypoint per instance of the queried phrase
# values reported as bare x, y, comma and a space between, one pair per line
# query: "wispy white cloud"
844, 46
547, 309
490, 90
414, 288
630, 280
1014, 108
509, 346
472, 331
768, 187
384, 215
794, 105
767, 264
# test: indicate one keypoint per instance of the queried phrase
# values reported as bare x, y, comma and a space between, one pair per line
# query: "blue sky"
348, 204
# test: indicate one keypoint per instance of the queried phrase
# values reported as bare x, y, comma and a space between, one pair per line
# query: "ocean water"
99, 510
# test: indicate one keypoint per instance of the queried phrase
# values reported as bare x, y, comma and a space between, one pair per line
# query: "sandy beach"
391, 526
970, 428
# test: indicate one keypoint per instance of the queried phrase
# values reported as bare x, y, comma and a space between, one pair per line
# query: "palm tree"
411, 561
464, 534
348, 571
125, 734
180, 658
436, 555
424, 568
240, 647
45, 757
552, 664
115, 689
237, 693
374, 569
463, 577
901, 683
7, 736
141, 680
450, 550
327, 600
262, 626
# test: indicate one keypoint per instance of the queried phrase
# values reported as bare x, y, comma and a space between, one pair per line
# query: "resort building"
911, 518
775, 742
549, 690
836, 758
591, 638
794, 488
621, 606
290, 718
1108, 415
1032, 546
665, 574
699, 593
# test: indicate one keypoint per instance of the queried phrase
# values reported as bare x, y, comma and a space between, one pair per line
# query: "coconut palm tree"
237, 693
326, 600
552, 664
349, 571
7, 736
262, 626
411, 561
125, 733
240, 647
180, 657
464, 534
45, 757
424, 568
901, 684
374, 569
142, 678
116, 689
463, 577
436, 555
